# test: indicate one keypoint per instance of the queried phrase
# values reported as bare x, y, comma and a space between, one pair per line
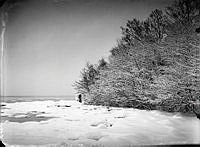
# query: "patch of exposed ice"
20, 116
94, 135
96, 123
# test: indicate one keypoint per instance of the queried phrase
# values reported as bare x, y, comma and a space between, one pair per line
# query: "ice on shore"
87, 125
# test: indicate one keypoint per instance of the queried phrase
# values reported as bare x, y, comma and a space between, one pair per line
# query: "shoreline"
57, 99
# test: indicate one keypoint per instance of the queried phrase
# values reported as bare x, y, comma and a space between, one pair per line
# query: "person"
80, 98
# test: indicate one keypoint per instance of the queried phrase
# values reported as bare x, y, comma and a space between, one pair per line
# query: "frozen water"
86, 125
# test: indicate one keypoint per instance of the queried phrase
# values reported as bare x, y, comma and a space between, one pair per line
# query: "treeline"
154, 65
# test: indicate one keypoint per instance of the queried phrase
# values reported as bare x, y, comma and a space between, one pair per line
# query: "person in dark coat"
80, 98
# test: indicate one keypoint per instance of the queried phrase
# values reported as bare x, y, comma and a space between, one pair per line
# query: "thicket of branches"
155, 64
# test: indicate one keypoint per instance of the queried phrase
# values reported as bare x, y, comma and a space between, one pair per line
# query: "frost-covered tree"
151, 30
88, 77
119, 88
155, 64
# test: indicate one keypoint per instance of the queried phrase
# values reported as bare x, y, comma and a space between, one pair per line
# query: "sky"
48, 42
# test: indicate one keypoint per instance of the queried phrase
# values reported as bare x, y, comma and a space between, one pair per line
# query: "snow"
85, 125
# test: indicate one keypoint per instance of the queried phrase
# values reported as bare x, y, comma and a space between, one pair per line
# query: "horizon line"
34, 95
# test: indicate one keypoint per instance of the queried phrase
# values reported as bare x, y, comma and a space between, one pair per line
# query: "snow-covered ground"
64, 123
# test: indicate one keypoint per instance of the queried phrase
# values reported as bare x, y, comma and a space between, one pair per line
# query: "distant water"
13, 99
